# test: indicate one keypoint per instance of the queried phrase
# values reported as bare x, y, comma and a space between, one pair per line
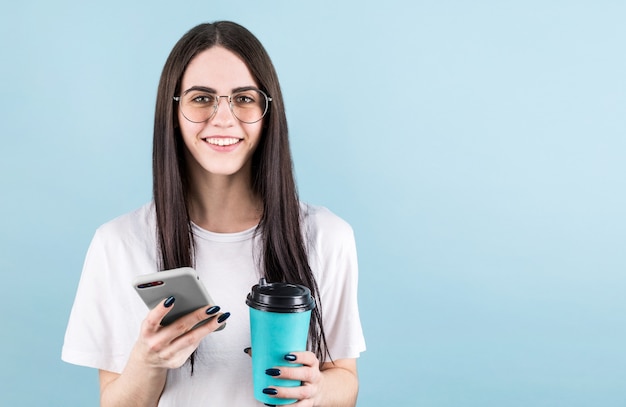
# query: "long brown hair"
284, 257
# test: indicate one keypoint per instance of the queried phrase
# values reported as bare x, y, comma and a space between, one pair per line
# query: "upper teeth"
222, 141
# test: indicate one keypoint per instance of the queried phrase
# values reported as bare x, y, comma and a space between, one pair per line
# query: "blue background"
477, 148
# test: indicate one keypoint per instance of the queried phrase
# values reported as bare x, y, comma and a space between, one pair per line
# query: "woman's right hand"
170, 346
157, 349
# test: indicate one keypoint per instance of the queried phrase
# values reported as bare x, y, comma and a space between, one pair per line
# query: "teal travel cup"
279, 324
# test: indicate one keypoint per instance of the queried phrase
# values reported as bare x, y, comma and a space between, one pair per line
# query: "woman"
225, 203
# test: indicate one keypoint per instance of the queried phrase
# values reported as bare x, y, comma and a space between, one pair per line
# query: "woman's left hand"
331, 384
309, 374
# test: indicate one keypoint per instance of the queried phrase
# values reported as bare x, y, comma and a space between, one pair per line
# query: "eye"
244, 99
201, 99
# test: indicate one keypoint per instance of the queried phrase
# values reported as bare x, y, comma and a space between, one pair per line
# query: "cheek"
256, 131
188, 130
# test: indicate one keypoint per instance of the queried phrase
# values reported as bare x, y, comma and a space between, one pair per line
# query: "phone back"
182, 283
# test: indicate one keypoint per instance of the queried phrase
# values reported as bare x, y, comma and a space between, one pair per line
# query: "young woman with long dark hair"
225, 203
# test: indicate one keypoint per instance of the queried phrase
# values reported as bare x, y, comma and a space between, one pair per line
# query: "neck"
224, 204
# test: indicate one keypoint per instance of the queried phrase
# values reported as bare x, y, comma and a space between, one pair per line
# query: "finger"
188, 341
154, 317
301, 393
248, 350
305, 369
304, 374
213, 323
200, 317
303, 358
191, 335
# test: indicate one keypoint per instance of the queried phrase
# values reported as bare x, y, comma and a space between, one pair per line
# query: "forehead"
217, 68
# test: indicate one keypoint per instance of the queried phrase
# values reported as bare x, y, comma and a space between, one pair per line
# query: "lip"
222, 143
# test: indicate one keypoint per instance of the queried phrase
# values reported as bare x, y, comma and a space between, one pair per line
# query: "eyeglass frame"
218, 98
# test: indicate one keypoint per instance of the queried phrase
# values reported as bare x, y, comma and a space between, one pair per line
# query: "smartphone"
182, 283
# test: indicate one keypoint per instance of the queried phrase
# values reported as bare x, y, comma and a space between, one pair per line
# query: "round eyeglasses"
199, 105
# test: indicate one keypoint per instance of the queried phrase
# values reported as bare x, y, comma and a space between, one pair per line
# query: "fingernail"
223, 317
272, 372
270, 391
290, 357
247, 350
168, 303
212, 310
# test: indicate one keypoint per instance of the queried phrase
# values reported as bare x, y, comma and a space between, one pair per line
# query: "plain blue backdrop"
477, 148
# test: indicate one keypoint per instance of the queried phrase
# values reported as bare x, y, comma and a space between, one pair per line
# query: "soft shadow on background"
478, 150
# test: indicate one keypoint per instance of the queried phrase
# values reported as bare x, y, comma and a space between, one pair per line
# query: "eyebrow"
211, 90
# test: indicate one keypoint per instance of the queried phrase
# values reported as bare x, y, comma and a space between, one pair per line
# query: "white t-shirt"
107, 312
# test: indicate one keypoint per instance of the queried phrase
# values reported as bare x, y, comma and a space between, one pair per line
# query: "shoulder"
322, 225
139, 218
133, 227
123, 247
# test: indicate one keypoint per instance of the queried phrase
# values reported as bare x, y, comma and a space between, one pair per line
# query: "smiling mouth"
229, 141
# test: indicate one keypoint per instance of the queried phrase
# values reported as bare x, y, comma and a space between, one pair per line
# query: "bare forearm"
135, 387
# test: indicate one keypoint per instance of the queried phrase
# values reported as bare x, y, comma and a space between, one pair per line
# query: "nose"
223, 115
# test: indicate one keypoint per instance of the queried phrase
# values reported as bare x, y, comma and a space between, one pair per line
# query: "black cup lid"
280, 297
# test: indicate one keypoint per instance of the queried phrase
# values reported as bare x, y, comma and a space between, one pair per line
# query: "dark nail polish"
290, 357
212, 310
272, 372
168, 303
247, 350
223, 317
270, 391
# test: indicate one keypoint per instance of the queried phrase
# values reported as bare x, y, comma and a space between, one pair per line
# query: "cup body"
273, 336
279, 324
